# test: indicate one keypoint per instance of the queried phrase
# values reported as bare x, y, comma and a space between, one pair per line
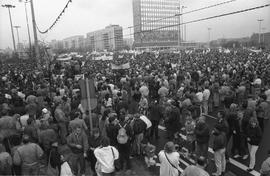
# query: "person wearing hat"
169, 160
219, 147
196, 170
28, 156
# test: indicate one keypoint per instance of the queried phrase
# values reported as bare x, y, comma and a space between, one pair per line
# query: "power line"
172, 16
194, 21
56, 20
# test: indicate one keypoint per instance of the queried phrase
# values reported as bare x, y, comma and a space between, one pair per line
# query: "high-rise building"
147, 15
74, 42
110, 39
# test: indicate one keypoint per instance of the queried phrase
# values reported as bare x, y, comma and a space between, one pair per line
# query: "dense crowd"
43, 123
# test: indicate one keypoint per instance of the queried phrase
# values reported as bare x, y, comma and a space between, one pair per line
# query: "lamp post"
17, 29
260, 24
263, 29
8, 6
209, 35
179, 27
27, 23
183, 26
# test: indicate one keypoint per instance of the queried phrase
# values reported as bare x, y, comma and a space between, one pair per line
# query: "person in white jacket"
106, 155
65, 168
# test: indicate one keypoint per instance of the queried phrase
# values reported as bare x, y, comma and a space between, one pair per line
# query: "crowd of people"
43, 123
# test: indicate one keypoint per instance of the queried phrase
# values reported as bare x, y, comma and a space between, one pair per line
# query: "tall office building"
146, 21
110, 39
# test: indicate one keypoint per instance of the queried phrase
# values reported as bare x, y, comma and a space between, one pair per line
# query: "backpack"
122, 136
139, 126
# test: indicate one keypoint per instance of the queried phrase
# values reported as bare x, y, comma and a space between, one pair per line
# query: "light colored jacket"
105, 158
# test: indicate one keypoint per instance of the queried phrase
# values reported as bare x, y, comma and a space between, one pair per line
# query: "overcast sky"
84, 16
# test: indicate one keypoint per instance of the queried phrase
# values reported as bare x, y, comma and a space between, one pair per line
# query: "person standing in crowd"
219, 147
169, 160
262, 111
254, 136
202, 133
62, 121
124, 137
205, 102
5, 162
190, 131
265, 167
28, 156
77, 121
94, 141
78, 143
106, 155
155, 115
196, 170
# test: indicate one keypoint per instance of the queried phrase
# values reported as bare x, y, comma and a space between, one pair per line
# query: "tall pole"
26, 15
8, 6
35, 33
179, 27
260, 23
263, 34
17, 29
209, 32
182, 26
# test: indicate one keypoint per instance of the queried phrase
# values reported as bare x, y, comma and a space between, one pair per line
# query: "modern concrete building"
147, 15
110, 39
74, 42
56, 45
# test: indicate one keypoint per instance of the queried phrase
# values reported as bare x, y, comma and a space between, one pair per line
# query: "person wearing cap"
169, 160
28, 156
196, 170
265, 167
219, 148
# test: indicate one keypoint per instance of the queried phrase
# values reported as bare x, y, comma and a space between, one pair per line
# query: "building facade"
150, 18
110, 39
74, 42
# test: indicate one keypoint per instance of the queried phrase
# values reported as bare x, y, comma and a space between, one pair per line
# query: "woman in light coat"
169, 160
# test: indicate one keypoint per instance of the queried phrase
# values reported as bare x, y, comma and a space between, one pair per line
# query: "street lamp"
260, 23
8, 6
28, 31
183, 37
263, 29
17, 29
209, 32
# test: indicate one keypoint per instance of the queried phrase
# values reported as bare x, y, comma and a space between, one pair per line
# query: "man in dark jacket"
219, 147
155, 115
202, 134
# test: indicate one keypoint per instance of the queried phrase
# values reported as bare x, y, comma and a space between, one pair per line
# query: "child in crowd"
149, 153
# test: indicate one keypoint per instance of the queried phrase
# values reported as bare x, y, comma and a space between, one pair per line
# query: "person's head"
78, 130
189, 118
105, 142
201, 161
25, 139
253, 122
96, 133
221, 114
169, 147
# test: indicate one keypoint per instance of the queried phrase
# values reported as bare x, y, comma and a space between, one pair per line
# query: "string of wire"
55, 21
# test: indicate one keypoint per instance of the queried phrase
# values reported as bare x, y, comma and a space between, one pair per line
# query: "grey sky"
84, 16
